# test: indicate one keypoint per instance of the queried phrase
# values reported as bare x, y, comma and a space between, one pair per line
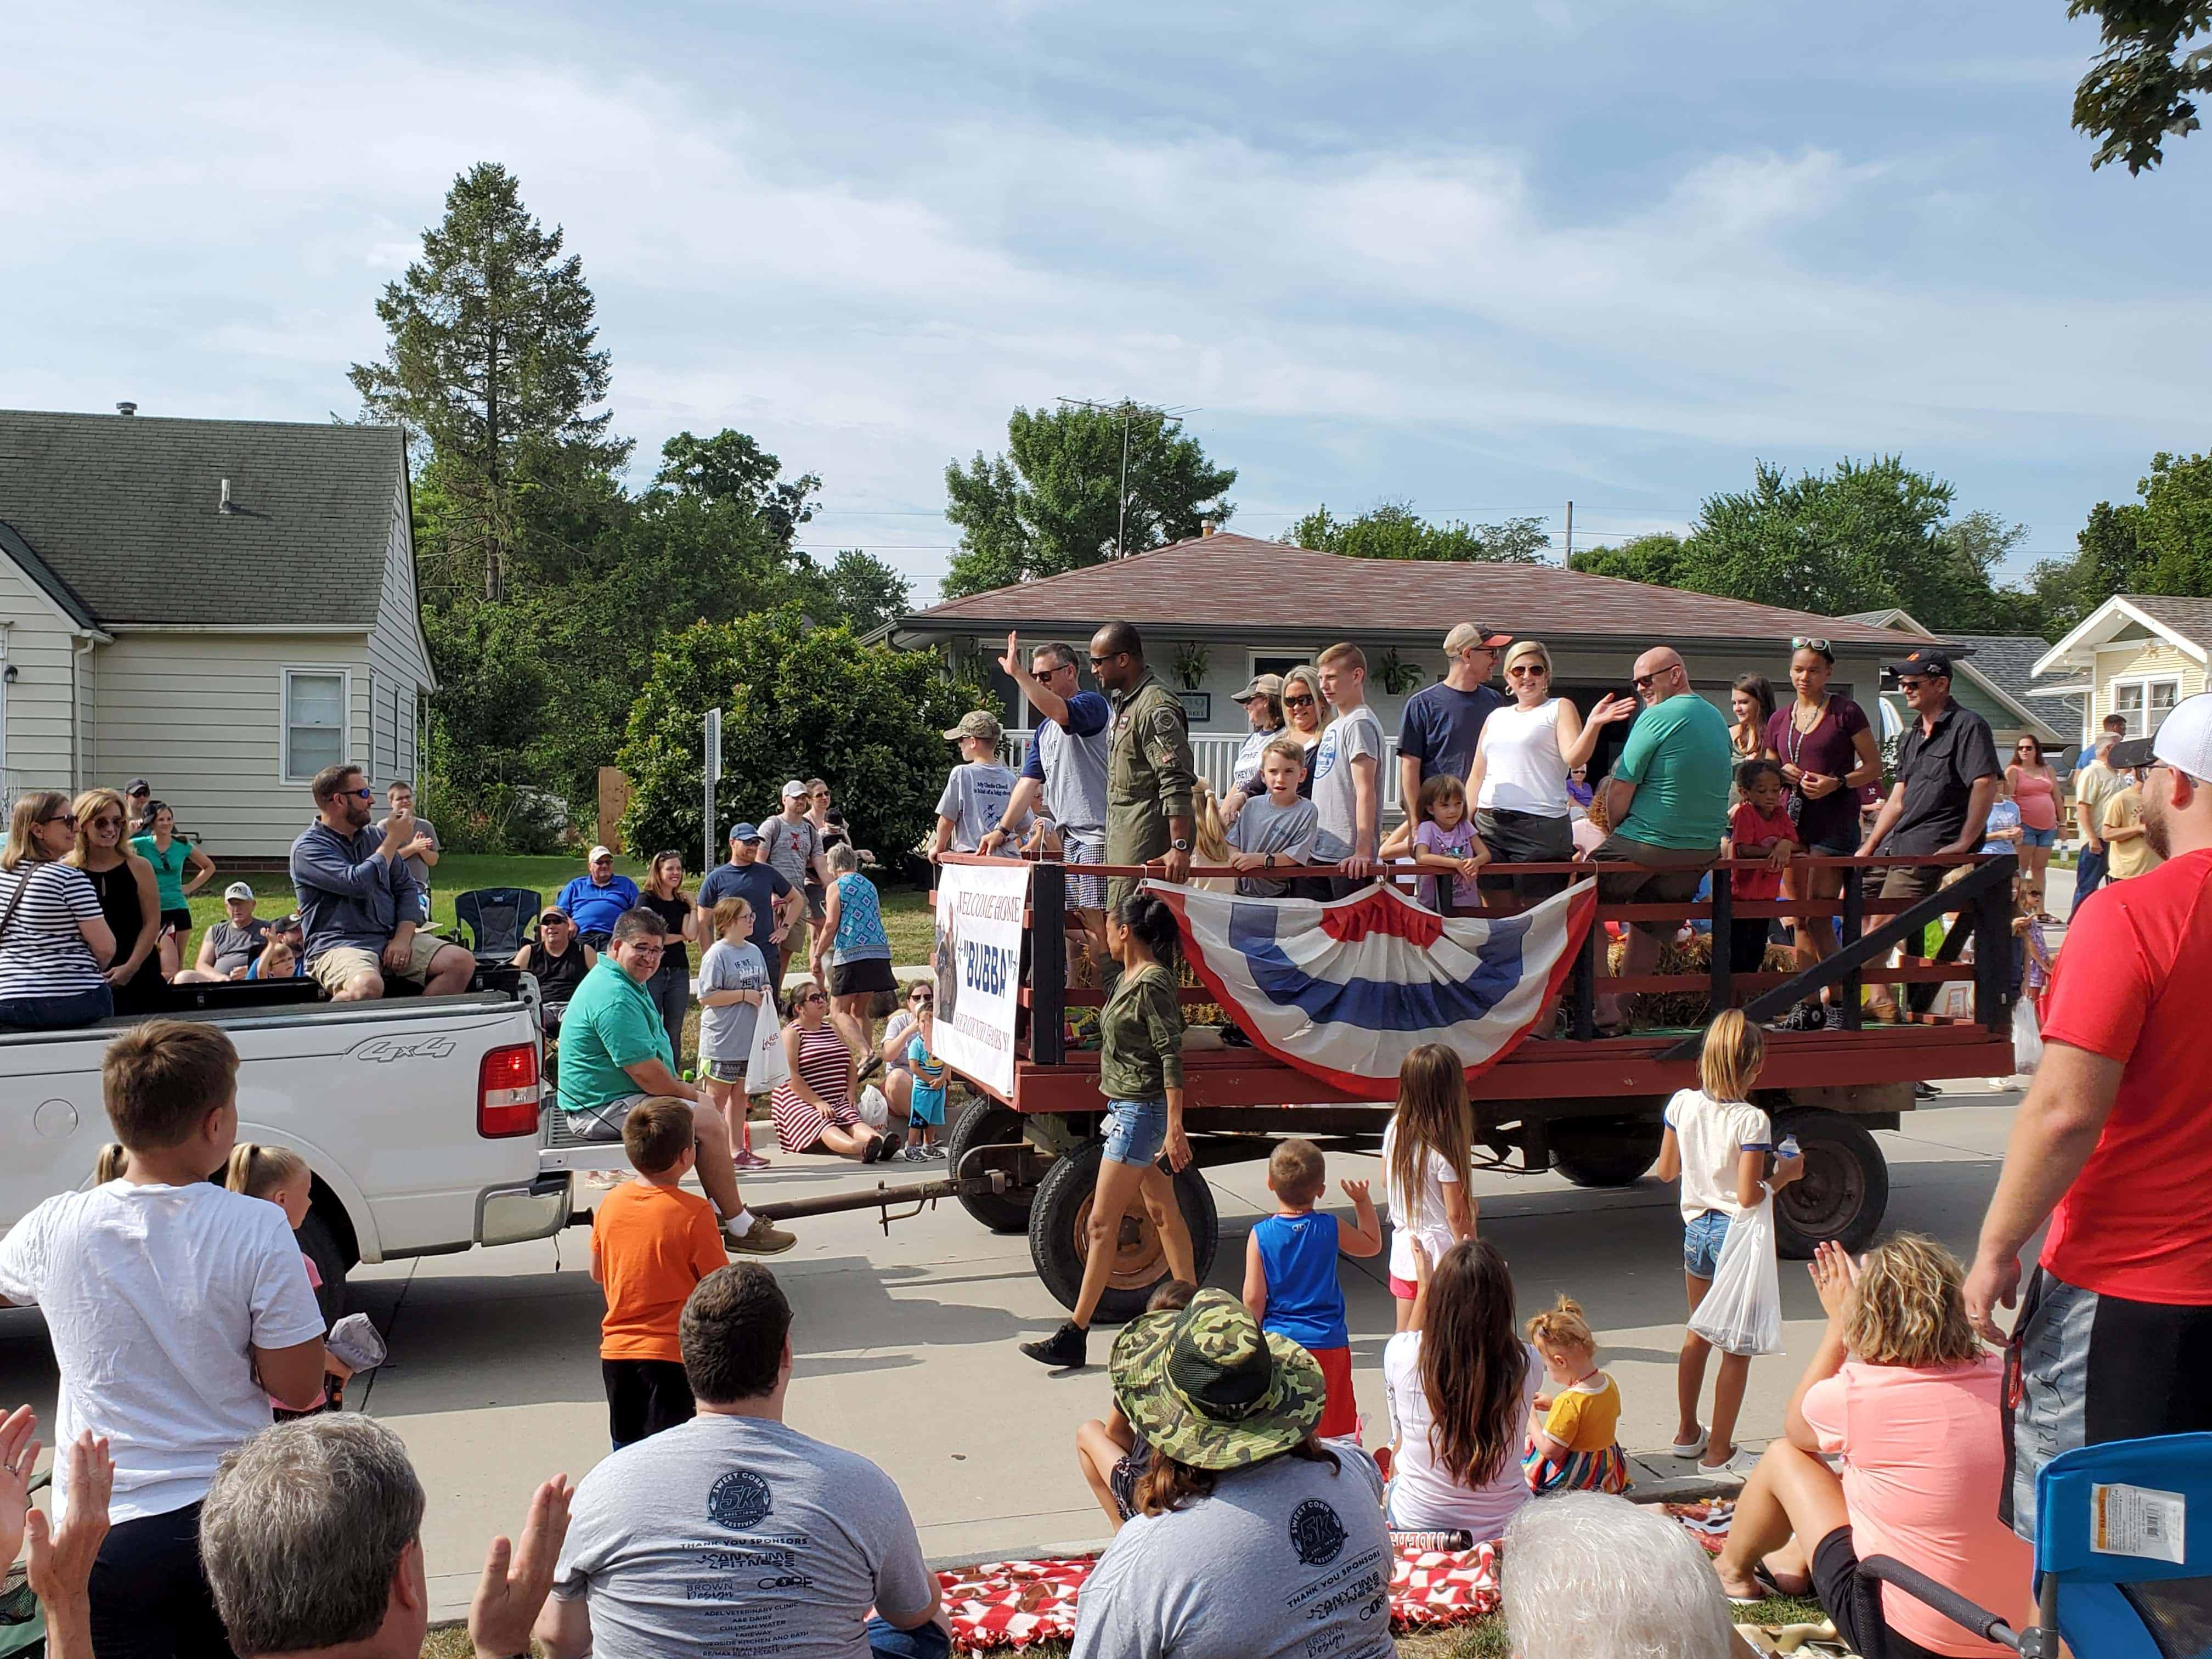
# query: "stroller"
2123, 1556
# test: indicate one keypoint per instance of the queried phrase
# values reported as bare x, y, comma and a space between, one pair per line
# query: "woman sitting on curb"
1903, 1389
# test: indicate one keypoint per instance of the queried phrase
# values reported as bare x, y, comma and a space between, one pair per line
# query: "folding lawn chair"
498, 920
2123, 1556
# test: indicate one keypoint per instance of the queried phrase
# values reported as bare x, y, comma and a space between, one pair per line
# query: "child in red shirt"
1759, 829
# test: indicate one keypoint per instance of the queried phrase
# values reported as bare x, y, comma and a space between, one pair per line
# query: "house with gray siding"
221, 607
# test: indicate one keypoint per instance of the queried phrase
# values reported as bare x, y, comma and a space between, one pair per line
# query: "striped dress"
823, 1061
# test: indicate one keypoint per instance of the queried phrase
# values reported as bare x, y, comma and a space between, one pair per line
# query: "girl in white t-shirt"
1424, 1160
1719, 1144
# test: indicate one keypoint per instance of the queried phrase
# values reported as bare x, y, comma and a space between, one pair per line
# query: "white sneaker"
1741, 1461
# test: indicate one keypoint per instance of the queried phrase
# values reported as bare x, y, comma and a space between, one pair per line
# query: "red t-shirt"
2133, 982
1748, 828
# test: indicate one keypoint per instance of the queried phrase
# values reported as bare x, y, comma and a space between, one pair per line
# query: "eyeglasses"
1806, 642
643, 949
557, 920
1297, 702
820, 794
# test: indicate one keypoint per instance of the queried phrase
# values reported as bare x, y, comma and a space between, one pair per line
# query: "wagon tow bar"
883, 1196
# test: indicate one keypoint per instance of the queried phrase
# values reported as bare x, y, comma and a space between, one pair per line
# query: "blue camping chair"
498, 920
2096, 1507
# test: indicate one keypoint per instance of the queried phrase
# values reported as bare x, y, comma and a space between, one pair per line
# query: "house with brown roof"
1216, 610
2136, 655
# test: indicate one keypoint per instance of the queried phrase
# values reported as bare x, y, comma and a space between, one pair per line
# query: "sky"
1488, 258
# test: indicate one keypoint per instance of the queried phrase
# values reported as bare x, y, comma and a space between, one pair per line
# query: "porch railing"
1215, 754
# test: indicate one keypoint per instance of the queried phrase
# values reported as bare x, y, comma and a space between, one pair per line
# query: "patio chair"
2123, 1555
498, 920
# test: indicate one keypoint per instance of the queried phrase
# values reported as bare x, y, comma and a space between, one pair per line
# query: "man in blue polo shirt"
595, 899
1066, 769
776, 904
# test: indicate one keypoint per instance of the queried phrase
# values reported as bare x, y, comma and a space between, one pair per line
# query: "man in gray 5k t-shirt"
733, 1534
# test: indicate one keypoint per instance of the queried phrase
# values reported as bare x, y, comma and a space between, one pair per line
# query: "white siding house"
221, 607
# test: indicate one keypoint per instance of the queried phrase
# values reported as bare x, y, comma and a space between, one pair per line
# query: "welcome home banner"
979, 968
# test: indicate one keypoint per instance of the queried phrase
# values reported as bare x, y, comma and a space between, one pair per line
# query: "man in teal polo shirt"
615, 1053
1668, 803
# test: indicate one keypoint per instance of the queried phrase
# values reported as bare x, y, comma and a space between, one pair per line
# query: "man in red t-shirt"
2113, 1146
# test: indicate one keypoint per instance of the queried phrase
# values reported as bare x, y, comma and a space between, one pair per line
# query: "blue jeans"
1701, 1243
61, 1013
2039, 837
1136, 1130
2088, 877
923, 1641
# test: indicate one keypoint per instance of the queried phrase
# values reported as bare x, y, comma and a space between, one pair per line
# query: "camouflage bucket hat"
1208, 1387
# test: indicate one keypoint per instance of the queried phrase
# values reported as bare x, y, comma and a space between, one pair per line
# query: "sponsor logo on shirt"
1316, 1532
740, 1500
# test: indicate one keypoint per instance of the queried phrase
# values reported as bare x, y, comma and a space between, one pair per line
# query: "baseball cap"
238, 889
794, 790
977, 724
1922, 662
598, 853
1468, 634
745, 832
137, 787
1262, 685
2182, 741
287, 924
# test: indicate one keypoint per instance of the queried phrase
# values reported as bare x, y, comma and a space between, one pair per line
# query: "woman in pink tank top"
2035, 786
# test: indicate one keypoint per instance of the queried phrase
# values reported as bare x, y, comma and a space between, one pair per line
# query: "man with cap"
792, 846
289, 932
1066, 770
1149, 772
595, 898
775, 904
1261, 700
1440, 723
228, 948
1947, 778
1259, 1538
979, 792
2114, 1341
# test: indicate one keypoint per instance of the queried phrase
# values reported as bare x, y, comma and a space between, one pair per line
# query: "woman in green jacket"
1140, 1070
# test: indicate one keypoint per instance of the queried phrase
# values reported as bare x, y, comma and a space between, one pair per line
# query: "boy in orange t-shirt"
651, 1243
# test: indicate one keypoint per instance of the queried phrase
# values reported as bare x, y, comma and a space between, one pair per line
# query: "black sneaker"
873, 1150
1064, 1349
1831, 1017
887, 1148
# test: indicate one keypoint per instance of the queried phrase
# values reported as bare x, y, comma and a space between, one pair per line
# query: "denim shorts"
2039, 837
1701, 1243
1136, 1130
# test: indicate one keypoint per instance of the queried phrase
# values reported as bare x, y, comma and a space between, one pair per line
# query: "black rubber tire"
321, 1244
1061, 1211
1845, 1190
985, 1123
1604, 1152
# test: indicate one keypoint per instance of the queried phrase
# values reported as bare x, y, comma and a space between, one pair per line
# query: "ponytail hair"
258, 1171
1147, 916
1563, 1327
111, 1163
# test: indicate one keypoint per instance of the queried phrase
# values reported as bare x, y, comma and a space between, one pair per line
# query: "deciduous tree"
1394, 530
2143, 86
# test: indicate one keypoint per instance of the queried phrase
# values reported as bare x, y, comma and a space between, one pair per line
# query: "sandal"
1690, 1448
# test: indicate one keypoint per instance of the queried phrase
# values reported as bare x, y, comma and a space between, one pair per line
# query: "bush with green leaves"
798, 701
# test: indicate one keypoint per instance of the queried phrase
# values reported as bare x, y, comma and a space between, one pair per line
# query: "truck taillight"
507, 1092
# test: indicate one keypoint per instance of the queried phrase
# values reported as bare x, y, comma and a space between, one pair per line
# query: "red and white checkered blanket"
1009, 1605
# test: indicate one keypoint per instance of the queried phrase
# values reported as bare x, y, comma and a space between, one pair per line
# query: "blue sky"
1486, 257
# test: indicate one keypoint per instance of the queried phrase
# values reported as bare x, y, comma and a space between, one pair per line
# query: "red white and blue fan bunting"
1345, 990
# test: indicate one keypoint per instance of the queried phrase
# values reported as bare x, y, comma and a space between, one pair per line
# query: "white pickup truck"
420, 1117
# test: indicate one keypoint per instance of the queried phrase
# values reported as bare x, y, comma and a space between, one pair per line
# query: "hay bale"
1691, 955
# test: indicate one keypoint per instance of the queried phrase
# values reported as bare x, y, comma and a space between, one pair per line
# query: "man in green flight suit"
1149, 771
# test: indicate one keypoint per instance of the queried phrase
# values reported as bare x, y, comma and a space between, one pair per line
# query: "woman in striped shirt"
813, 1105
54, 941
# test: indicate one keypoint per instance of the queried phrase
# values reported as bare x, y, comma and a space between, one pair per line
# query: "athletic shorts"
852, 979
721, 1071
1083, 893
1853, 1600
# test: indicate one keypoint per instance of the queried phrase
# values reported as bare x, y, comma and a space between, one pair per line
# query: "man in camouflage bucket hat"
1205, 1386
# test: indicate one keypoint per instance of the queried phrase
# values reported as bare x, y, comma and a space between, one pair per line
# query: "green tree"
865, 592
2140, 90
1829, 542
1657, 559
797, 700
492, 363
1055, 501
1394, 530
2160, 543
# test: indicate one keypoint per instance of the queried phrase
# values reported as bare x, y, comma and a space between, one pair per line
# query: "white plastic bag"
1743, 1311
765, 1065
2026, 1037
875, 1111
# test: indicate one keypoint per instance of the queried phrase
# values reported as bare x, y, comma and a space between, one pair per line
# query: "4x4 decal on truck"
384, 1050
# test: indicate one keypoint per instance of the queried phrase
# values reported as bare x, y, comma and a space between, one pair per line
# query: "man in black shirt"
1948, 776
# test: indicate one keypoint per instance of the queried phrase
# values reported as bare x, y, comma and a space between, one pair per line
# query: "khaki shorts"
341, 963
1675, 882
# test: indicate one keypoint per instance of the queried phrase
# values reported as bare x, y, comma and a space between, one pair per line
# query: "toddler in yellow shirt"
1572, 1443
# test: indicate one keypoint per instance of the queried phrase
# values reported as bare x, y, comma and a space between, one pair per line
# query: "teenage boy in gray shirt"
977, 791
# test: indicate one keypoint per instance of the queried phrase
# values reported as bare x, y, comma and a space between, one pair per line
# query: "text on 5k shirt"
2133, 984
1354, 735
154, 1297
975, 798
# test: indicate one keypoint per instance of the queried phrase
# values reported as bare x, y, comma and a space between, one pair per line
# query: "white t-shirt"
1421, 1213
154, 1297
1424, 1497
1351, 736
1713, 1135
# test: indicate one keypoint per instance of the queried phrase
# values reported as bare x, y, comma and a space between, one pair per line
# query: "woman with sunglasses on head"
1828, 753
128, 897
2033, 786
1518, 780
54, 942
813, 1105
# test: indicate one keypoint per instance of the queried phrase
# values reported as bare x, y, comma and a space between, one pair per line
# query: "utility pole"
1128, 408
1569, 557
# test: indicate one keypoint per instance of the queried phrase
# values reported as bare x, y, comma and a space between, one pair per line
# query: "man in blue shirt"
358, 902
775, 902
594, 900
1065, 769
1440, 723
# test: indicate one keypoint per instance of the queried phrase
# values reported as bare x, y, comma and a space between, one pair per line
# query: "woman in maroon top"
1828, 753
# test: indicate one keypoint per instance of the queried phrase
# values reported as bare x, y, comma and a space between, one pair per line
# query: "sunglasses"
1108, 657
364, 794
1643, 682
557, 920
1806, 642
1532, 669
107, 822
1910, 685
1297, 702
70, 819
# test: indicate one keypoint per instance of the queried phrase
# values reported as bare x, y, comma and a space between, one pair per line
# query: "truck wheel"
1060, 1242
1604, 1152
321, 1245
1844, 1191
987, 1123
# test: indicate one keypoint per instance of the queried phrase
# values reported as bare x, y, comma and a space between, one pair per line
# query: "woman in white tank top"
1519, 778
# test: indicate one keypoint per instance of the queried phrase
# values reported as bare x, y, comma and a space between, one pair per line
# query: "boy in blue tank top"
1290, 1271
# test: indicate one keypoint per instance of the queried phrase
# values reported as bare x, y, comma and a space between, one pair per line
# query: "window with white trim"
314, 721
2145, 703
1262, 664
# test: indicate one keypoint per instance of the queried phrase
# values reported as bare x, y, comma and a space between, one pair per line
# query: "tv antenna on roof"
1128, 410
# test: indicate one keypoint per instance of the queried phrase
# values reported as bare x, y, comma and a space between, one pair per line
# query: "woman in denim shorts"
1140, 1070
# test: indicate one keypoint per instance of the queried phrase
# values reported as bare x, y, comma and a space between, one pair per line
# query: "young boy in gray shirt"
1279, 828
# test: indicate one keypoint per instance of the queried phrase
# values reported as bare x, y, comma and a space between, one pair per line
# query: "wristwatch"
1181, 844
1270, 864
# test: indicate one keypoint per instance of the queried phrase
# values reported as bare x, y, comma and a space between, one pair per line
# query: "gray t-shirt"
791, 848
234, 946
1286, 831
740, 1537
415, 867
975, 798
1283, 1561
1351, 736
726, 1032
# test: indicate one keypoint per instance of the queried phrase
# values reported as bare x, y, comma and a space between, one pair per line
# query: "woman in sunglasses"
2034, 786
1306, 714
813, 1105
128, 897
54, 942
